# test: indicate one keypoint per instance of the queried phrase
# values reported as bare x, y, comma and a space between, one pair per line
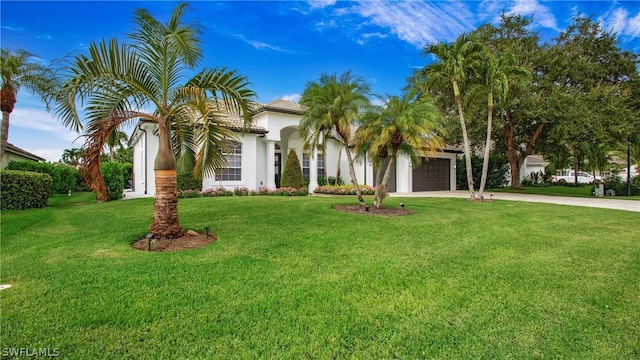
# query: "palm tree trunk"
378, 182
352, 172
338, 170
487, 147
465, 139
382, 191
7, 102
166, 224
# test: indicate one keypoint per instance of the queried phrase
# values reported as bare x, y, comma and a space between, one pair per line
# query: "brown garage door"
432, 175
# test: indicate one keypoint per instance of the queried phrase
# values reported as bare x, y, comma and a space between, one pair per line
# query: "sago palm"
18, 71
115, 82
455, 65
333, 106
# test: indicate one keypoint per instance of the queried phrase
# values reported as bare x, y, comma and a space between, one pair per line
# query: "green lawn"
290, 278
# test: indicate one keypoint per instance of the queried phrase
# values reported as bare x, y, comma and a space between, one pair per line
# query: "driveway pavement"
605, 203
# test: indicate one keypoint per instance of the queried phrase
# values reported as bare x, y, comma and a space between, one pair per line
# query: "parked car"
583, 178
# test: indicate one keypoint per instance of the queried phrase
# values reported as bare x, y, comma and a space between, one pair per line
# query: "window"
305, 165
233, 172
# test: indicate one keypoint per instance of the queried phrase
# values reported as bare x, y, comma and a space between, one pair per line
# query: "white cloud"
291, 97
12, 28
51, 155
419, 23
619, 21
326, 24
40, 120
320, 4
261, 45
542, 15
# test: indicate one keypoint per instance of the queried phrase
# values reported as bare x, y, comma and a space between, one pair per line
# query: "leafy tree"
404, 125
333, 105
116, 139
115, 80
72, 156
455, 65
17, 71
292, 174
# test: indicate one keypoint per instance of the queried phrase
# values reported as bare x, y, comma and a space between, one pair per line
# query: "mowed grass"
291, 278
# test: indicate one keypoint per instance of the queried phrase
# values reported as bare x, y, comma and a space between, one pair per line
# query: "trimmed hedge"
242, 191
497, 174
112, 173
292, 175
619, 185
186, 181
22, 190
64, 177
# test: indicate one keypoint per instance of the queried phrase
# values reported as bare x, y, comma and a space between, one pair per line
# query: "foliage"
65, 178
331, 180
22, 190
112, 173
243, 191
497, 174
186, 181
322, 181
619, 186
292, 174
344, 190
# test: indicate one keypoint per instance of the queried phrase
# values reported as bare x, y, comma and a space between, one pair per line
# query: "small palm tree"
333, 105
455, 65
115, 139
405, 125
116, 80
18, 71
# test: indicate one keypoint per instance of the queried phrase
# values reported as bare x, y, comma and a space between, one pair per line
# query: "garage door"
432, 175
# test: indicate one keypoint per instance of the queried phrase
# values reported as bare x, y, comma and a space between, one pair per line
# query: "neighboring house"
14, 153
258, 158
532, 164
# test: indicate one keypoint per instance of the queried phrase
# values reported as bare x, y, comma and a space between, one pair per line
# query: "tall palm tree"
455, 65
18, 71
72, 157
116, 80
405, 125
493, 77
333, 105
115, 139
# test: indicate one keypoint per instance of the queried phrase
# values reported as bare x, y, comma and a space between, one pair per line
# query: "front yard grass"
559, 190
291, 278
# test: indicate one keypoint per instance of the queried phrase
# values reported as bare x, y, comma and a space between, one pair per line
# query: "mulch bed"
382, 211
182, 243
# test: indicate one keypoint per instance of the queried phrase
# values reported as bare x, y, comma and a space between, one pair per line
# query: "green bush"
331, 180
112, 173
619, 186
24, 189
292, 175
64, 177
186, 181
127, 173
497, 175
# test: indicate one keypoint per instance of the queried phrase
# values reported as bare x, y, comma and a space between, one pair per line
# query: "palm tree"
333, 105
115, 139
116, 80
493, 78
72, 157
405, 125
455, 64
16, 72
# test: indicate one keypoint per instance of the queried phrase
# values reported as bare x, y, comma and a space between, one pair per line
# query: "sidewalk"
604, 203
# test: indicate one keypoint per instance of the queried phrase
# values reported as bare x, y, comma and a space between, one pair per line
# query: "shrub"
497, 174
21, 190
322, 181
113, 179
292, 175
331, 180
127, 174
619, 186
64, 177
344, 190
186, 181
243, 191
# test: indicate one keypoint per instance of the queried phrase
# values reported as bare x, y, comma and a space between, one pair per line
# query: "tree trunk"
165, 223
352, 172
378, 182
465, 139
165, 210
576, 164
511, 152
487, 147
7, 102
338, 169
384, 186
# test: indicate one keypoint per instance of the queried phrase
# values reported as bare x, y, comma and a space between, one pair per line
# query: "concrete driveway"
605, 203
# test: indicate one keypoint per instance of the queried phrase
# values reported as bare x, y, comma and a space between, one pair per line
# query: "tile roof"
281, 105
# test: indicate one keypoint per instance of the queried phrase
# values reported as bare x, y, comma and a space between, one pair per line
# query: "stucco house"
14, 153
258, 157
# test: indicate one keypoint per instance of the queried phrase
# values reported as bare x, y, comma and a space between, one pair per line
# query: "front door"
278, 168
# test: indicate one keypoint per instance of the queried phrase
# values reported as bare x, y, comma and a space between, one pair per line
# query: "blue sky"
282, 45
